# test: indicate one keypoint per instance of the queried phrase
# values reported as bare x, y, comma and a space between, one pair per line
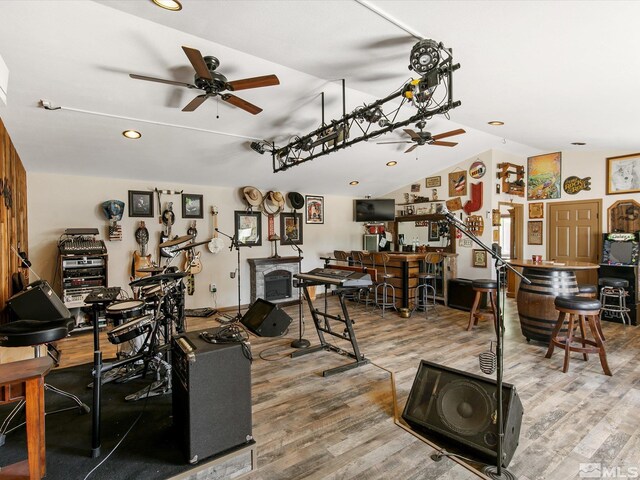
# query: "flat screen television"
374, 210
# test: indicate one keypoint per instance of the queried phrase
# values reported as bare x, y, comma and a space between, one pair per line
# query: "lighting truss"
371, 121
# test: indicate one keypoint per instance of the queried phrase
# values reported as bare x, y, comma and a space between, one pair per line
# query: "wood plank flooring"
342, 427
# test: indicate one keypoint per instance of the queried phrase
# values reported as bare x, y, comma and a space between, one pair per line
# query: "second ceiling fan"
425, 138
213, 83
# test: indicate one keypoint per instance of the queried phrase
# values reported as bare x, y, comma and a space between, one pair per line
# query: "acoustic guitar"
142, 259
216, 244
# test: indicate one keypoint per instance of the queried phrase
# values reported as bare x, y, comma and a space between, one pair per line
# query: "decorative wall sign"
422, 223
477, 169
544, 176
475, 199
479, 258
534, 232
454, 204
623, 174
314, 206
573, 184
433, 182
496, 236
536, 210
495, 217
624, 216
415, 187
512, 177
458, 183
465, 242
475, 224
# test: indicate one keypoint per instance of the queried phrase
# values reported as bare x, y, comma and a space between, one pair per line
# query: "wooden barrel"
536, 309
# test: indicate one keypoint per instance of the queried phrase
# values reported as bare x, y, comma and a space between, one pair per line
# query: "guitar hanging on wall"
192, 263
168, 219
216, 244
142, 259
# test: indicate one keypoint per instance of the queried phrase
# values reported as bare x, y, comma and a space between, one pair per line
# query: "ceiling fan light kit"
433, 62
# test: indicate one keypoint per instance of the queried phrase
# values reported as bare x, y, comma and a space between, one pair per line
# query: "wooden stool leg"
567, 345
472, 315
554, 334
583, 333
601, 351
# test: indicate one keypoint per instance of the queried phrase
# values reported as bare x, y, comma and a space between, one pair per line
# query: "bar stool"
384, 289
590, 291
426, 281
362, 294
482, 286
613, 297
341, 256
580, 309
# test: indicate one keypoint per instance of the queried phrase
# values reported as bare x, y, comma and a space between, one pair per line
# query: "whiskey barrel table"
536, 307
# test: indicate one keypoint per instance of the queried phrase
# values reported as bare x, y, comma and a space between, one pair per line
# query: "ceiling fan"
214, 84
425, 138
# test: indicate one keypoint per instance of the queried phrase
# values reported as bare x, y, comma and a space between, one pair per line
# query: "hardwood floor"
342, 427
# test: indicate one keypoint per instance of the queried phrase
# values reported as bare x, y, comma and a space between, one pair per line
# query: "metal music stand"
493, 471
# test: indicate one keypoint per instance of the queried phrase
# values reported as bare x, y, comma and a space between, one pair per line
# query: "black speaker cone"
464, 407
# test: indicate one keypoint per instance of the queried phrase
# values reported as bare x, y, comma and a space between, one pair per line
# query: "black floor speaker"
461, 408
265, 319
37, 302
211, 388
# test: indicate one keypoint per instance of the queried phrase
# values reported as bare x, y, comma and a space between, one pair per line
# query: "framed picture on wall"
536, 210
290, 228
458, 183
434, 231
431, 182
191, 206
534, 232
479, 258
544, 176
314, 206
623, 174
248, 228
140, 203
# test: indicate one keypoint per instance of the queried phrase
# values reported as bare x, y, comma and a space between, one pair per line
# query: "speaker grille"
464, 407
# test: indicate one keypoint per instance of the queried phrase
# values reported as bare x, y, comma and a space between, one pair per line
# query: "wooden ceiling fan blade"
240, 103
412, 148
448, 134
161, 80
195, 103
254, 82
412, 134
195, 57
444, 144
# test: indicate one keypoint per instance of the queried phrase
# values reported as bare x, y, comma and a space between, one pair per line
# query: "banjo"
216, 244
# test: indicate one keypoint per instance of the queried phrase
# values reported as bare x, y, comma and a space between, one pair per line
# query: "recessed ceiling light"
392, 163
578, 143
133, 134
495, 123
354, 182
173, 5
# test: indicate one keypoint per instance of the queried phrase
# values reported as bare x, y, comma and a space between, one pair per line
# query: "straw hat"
276, 199
252, 195
296, 200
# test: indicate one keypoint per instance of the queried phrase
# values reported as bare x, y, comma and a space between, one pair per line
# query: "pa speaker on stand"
460, 408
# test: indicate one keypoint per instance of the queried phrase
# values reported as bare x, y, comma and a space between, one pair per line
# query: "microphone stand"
300, 342
236, 245
492, 471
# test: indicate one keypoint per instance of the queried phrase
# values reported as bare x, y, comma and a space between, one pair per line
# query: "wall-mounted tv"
374, 210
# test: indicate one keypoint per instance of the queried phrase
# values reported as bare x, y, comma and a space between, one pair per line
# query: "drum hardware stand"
493, 471
236, 245
162, 383
300, 342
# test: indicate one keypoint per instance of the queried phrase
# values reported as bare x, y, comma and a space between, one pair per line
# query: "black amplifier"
211, 388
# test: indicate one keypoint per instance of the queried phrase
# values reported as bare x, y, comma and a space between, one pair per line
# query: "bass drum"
124, 310
131, 329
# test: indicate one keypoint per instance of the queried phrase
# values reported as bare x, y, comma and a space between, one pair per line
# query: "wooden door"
574, 233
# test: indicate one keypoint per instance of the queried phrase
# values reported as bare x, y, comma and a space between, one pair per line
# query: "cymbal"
191, 245
150, 270
176, 241
141, 282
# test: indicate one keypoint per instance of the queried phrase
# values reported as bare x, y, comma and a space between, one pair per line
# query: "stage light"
425, 56
258, 147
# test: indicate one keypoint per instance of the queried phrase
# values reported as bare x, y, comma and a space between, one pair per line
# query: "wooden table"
536, 307
25, 380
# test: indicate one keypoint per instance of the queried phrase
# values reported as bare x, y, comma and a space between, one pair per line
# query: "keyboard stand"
324, 326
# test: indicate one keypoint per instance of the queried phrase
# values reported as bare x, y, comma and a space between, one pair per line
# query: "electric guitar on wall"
168, 219
142, 259
192, 263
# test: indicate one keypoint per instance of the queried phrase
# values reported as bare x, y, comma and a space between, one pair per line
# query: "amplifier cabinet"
629, 273
211, 388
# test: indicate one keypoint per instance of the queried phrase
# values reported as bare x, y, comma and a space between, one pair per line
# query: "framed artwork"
458, 183
314, 206
434, 231
495, 217
415, 187
479, 258
534, 232
536, 210
496, 236
248, 228
623, 174
192, 206
544, 176
432, 182
624, 216
290, 228
140, 203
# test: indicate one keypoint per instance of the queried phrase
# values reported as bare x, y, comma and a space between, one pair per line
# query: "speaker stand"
491, 471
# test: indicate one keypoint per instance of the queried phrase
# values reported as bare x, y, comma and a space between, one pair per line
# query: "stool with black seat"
613, 297
35, 333
426, 281
363, 293
582, 310
483, 286
385, 292
590, 291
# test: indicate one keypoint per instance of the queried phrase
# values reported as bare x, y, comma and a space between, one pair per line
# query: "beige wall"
57, 202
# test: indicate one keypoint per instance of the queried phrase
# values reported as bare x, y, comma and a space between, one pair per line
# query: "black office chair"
36, 333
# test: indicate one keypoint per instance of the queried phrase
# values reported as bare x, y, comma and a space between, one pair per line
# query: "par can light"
425, 56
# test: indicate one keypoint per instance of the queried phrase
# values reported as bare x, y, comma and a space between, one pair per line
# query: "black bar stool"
385, 292
426, 281
613, 297
482, 286
582, 310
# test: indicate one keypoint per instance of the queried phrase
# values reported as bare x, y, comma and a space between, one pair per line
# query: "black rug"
150, 451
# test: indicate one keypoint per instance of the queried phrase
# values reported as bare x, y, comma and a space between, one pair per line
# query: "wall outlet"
213, 288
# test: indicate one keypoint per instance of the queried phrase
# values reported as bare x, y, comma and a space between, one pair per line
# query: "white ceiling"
555, 72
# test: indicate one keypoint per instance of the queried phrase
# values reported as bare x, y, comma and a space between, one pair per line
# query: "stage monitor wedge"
265, 319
